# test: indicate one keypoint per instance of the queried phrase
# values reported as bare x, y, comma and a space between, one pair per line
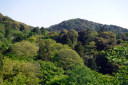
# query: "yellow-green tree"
24, 49
15, 72
67, 58
73, 37
49, 48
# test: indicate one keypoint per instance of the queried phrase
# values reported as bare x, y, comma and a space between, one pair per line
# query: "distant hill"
79, 24
8, 23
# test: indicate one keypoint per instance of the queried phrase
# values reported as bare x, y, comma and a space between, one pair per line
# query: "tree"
8, 32
81, 37
63, 36
62, 33
36, 30
122, 36
50, 73
90, 48
103, 64
122, 76
43, 31
48, 49
90, 61
67, 58
80, 75
24, 49
3, 45
45, 49
68, 37
1, 37
106, 40
73, 36
15, 72
34, 38
80, 49
92, 64
86, 36
2, 28
19, 37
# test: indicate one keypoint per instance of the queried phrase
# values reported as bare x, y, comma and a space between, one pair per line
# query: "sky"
49, 12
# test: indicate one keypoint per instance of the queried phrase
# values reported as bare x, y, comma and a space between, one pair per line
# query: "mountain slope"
7, 22
79, 24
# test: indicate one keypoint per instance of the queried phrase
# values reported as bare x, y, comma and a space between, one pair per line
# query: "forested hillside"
79, 24
71, 56
7, 22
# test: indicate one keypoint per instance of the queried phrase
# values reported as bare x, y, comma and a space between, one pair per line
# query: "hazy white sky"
49, 12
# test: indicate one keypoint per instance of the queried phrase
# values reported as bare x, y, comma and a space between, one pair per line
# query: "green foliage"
35, 39
122, 36
48, 49
1, 37
18, 36
4, 45
117, 55
8, 32
80, 75
100, 79
49, 73
24, 49
73, 36
119, 41
80, 49
63, 36
79, 24
104, 66
122, 76
8, 25
67, 58
23, 66
1, 62
68, 37
106, 40
90, 48
90, 61
43, 31
2, 29
36, 30
86, 36
44, 49
16, 73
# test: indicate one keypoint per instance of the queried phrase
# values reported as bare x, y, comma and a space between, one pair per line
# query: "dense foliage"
79, 24
73, 56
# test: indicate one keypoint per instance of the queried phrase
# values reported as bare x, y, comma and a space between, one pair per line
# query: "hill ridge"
79, 24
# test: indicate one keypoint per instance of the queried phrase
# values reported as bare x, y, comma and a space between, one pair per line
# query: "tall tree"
106, 40
80, 49
63, 36
45, 49
36, 30
86, 36
73, 36
43, 31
